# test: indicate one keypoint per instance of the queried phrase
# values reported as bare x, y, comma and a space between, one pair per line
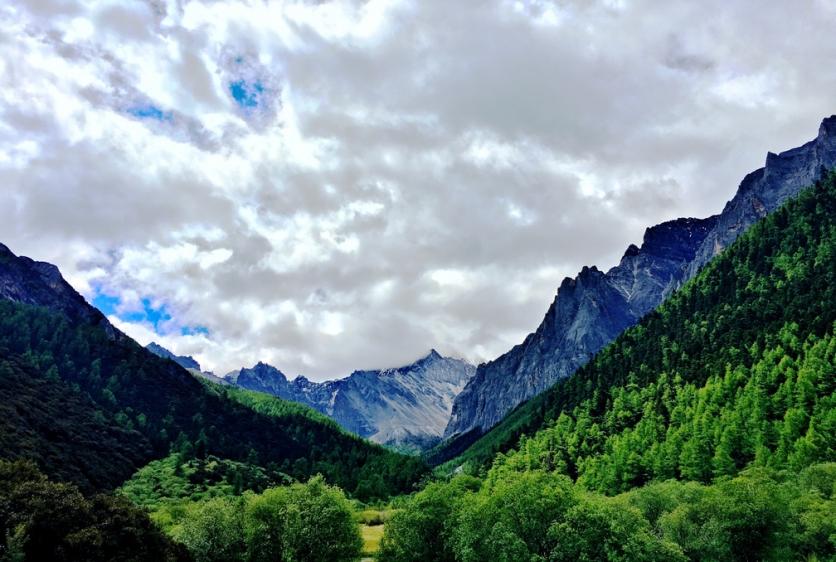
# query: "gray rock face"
591, 310
407, 407
185, 361
765, 189
26, 281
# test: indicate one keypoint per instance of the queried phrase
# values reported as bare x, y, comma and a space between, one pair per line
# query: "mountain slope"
45, 327
26, 281
734, 369
407, 407
45, 420
590, 310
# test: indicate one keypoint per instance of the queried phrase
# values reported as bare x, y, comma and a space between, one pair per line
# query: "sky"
335, 185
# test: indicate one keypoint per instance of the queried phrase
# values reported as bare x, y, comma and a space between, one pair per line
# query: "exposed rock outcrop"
592, 309
407, 407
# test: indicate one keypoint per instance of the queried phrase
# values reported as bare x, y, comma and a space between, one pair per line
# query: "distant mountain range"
590, 310
406, 407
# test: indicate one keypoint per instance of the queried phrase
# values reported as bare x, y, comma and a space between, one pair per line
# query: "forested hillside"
737, 367
43, 419
156, 406
714, 419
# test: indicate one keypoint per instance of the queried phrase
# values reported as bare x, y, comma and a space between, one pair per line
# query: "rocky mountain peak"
674, 239
827, 129
302, 380
406, 406
185, 361
592, 309
27, 281
432, 356
632, 251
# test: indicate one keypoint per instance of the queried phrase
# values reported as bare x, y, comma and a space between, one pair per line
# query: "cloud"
345, 184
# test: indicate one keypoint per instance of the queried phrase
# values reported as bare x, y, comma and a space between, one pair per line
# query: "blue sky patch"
108, 304
246, 94
149, 314
150, 112
194, 330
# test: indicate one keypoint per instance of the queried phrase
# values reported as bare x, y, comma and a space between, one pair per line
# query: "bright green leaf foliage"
421, 532
311, 522
542, 516
175, 480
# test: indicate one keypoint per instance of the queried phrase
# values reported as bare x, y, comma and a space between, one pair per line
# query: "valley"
417, 281
724, 389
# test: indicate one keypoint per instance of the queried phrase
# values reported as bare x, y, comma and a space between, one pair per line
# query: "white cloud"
330, 185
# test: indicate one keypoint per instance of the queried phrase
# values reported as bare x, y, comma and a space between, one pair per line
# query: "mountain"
29, 282
592, 309
92, 406
735, 370
705, 432
407, 407
186, 361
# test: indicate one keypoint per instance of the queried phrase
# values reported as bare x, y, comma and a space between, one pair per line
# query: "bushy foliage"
213, 530
179, 478
42, 520
311, 522
420, 532
542, 516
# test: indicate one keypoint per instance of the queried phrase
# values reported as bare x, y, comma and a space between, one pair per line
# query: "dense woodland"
159, 406
310, 522
42, 520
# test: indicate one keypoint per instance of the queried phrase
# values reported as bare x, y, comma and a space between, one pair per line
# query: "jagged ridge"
592, 309
407, 407
185, 361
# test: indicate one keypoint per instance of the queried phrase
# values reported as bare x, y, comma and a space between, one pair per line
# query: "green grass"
371, 538
374, 517
372, 521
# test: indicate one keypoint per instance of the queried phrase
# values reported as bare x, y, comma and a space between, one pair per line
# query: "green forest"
735, 368
117, 384
705, 433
